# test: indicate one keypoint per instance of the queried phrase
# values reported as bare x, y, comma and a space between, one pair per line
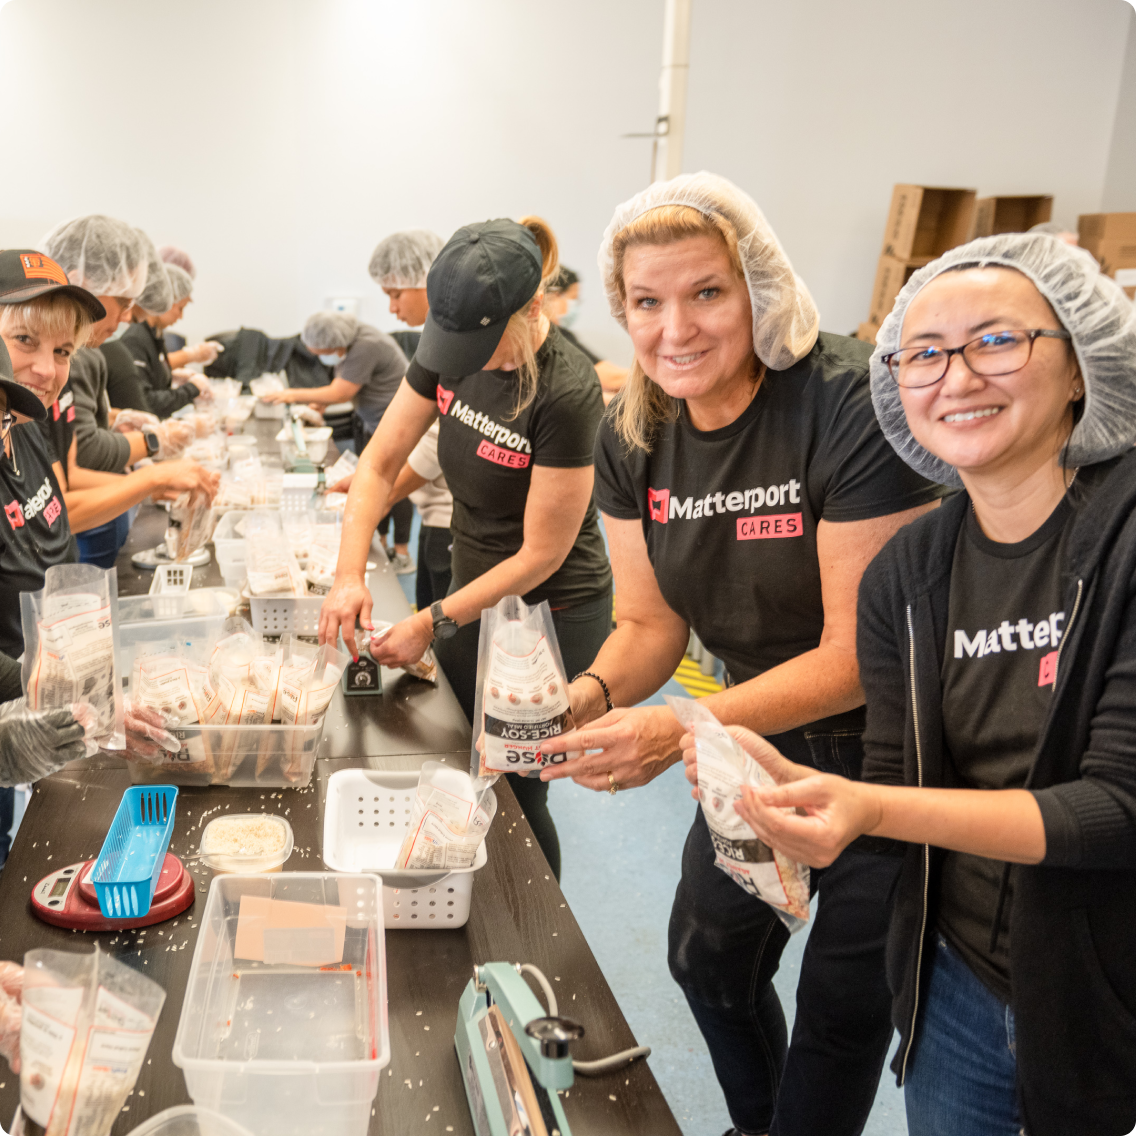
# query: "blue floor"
621, 864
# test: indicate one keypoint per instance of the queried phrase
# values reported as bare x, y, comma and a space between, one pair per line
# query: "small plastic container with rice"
246, 843
367, 827
283, 1027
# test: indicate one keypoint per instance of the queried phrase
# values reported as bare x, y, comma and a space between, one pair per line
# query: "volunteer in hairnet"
369, 366
110, 259
561, 305
745, 484
139, 374
399, 265
996, 645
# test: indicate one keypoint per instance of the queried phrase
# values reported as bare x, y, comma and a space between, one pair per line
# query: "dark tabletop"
518, 912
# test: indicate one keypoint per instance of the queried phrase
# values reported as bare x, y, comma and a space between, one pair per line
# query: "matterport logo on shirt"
44, 501
502, 446
664, 507
1009, 636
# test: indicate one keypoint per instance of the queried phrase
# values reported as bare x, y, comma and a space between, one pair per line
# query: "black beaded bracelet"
603, 686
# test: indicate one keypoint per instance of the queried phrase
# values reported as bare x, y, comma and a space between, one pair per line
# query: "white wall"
279, 140
1119, 194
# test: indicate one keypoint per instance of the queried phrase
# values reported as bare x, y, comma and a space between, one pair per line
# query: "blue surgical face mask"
569, 317
330, 360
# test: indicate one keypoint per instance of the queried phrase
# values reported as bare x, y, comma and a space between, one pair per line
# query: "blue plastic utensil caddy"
127, 870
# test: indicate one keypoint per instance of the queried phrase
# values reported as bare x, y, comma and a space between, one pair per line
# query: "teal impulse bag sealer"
514, 1058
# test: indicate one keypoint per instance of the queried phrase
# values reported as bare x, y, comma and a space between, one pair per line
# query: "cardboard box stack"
923, 223
1016, 214
1111, 238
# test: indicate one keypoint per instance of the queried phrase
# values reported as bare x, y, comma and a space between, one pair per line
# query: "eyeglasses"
124, 304
995, 353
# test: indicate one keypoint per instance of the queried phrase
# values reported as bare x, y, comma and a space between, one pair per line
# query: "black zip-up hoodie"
1073, 922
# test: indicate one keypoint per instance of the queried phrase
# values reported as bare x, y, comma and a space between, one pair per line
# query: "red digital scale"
66, 898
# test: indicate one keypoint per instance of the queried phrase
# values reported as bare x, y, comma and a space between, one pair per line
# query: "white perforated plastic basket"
364, 821
273, 615
169, 588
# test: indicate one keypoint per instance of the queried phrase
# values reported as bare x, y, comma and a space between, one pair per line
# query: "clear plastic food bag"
87, 1023
345, 465
70, 647
190, 525
450, 816
522, 691
426, 668
723, 768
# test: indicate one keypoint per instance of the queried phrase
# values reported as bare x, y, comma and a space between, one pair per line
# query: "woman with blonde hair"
745, 484
518, 409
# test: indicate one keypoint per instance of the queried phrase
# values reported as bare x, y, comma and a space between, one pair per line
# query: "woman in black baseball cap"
519, 407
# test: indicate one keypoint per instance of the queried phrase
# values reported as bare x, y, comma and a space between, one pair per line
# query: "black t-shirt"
34, 533
58, 428
730, 516
147, 350
126, 387
1005, 622
574, 339
487, 457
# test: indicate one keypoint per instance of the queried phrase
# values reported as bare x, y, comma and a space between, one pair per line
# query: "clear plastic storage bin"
148, 625
189, 1120
281, 1048
274, 757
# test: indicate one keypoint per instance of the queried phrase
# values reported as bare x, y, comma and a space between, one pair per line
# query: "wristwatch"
153, 442
444, 626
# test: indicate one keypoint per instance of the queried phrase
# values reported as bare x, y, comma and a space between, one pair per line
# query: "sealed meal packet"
723, 768
522, 691
70, 635
87, 1023
452, 813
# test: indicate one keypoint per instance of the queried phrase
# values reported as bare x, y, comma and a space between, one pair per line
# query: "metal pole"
670, 126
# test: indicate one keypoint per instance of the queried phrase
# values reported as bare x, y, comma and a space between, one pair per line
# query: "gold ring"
613, 785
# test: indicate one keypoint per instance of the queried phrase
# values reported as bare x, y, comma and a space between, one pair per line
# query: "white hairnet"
171, 254
180, 281
785, 320
326, 331
98, 253
403, 259
158, 295
1092, 309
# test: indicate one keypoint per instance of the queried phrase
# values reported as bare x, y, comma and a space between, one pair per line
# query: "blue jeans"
7, 817
961, 1080
100, 546
725, 947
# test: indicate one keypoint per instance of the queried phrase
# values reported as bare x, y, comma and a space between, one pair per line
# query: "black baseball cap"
20, 399
26, 274
484, 273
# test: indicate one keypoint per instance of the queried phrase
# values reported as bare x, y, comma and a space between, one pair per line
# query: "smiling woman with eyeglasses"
997, 639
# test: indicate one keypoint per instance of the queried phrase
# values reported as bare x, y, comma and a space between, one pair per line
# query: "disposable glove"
11, 1013
147, 739
35, 743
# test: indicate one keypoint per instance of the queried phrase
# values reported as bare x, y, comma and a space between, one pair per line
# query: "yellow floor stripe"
690, 677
